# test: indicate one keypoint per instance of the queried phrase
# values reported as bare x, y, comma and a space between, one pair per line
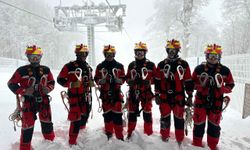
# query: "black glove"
145, 82
157, 99
131, 82
75, 84
29, 91
189, 101
118, 81
102, 81
44, 90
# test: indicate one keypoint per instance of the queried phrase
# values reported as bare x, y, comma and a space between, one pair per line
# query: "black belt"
74, 105
33, 109
209, 105
73, 95
170, 91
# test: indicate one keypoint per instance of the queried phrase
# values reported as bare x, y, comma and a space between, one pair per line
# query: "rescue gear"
34, 102
81, 48
109, 49
140, 76
173, 81
211, 82
77, 77
34, 57
109, 77
141, 47
226, 101
213, 49
33, 50
64, 96
157, 99
188, 119
16, 115
173, 44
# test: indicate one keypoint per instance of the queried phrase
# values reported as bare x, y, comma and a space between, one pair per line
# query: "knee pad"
165, 122
27, 135
178, 123
147, 117
132, 117
108, 117
199, 130
46, 127
213, 130
84, 119
117, 119
75, 126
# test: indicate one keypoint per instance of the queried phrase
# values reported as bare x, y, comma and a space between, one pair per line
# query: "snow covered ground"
235, 133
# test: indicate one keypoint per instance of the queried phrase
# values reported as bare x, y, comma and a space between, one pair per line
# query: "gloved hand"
226, 99
44, 90
16, 115
76, 84
131, 82
118, 81
29, 91
91, 83
102, 81
189, 101
157, 99
145, 82
225, 89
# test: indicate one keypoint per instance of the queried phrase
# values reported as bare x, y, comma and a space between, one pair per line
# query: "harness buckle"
170, 91
109, 93
137, 93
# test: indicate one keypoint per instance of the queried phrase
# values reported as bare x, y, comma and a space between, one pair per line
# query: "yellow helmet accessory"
141, 46
81, 48
213, 49
33, 50
109, 49
173, 44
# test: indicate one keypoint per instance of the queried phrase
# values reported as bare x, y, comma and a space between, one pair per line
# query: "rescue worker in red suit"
172, 83
212, 81
109, 76
77, 77
140, 77
32, 83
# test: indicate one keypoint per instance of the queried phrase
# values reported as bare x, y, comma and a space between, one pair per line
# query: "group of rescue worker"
173, 92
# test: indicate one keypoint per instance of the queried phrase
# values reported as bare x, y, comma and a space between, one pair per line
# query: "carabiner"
104, 73
133, 74
79, 77
115, 72
166, 70
219, 80
44, 80
180, 71
32, 80
144, 75
203, 79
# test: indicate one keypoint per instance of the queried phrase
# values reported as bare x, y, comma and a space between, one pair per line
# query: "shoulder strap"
217, 70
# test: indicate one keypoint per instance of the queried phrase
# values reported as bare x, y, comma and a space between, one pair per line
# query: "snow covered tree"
236, 34
174, 19
19, 28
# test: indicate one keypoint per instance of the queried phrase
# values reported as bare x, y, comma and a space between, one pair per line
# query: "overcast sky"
137, 12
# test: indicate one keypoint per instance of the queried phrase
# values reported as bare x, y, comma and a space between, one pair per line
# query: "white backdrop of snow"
235, 133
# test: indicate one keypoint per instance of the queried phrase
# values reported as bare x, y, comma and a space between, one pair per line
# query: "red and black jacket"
137, 70
69, 74
173, 84
110, 91
27, 75
210, 93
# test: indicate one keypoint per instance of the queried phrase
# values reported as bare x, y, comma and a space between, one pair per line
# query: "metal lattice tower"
77, 18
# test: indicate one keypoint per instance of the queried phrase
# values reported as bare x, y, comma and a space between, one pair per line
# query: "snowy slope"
235, 131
